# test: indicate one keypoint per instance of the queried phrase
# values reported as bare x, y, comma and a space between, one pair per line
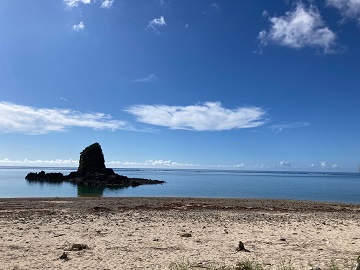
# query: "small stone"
185, 235
315, 268
282, 239
241, 247
64, 257
78, 247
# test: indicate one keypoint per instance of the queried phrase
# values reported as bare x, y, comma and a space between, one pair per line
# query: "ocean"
313, 186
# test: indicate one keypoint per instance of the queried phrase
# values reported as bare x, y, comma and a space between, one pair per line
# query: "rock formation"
92, 172
91, 159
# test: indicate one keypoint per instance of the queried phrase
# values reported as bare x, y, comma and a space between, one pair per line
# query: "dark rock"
358, 261
91, 159
101, 209
185, 235
92, 172
78, 247
241, 247
42, 176
64, 256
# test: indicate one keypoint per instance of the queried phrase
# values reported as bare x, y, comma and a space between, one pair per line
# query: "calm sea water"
332, 187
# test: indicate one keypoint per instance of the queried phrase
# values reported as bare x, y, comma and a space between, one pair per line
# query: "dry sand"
146, 233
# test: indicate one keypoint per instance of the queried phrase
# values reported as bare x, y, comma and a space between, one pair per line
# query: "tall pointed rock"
91, 159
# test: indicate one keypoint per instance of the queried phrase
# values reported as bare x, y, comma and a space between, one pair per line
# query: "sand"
154, 233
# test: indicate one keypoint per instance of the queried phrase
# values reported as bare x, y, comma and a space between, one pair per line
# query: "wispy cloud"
39, 162
299, 28
30, 120
282, 127
285, 164
152, 163
149, 78
348, 8
75, 3
208, 116
107, 3
78, 27
215, 6
156, 23
323, 164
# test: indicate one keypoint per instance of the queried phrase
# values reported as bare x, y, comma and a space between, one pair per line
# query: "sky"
248, 85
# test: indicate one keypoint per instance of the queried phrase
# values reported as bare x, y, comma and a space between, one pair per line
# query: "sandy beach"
153, 233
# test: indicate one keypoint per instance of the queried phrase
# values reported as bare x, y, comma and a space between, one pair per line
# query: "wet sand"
153, 233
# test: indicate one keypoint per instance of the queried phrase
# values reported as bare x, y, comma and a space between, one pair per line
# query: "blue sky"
269, 85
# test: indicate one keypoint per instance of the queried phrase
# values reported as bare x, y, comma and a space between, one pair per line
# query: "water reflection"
89, 191
82, 190
44, 184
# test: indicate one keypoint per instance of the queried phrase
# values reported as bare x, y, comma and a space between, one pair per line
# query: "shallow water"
332, 187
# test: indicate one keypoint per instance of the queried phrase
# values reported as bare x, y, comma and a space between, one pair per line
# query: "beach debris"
358, 261
185, 235
77, 247
64, 257
101, 209
241, 247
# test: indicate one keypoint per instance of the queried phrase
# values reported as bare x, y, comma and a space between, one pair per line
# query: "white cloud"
241, 165
348, 8
75, 3
299, 28
323, 164
39, 162
167, 163
107, 3
149, 78
285, 164
208, 116
151, 163
335, 166
282, 127
30, 120
155, 23
78, 27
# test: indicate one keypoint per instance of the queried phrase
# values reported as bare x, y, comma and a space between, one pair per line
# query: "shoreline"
146, 232
192, 203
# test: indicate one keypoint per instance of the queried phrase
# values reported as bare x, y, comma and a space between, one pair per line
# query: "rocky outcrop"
92, 172
91, 159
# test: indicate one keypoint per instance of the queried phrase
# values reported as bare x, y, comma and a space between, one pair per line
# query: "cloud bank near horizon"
30, 120
209, 116
160, 163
